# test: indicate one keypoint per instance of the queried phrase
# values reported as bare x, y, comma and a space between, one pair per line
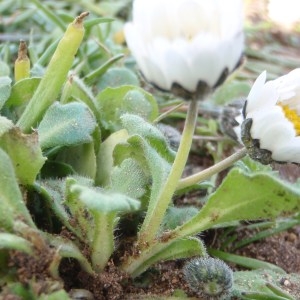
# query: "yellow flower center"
292, 116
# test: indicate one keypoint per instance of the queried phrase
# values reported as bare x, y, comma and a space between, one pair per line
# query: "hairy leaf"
243, 196
25, 153
114, 102
13, 242
65, 125
5, 89
181, 248
12, 205
103, 201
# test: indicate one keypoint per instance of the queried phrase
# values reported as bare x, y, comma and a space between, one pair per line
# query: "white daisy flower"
274, 110
187, 44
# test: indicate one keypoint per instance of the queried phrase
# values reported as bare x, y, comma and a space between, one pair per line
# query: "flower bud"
271, 129
22, 63
209, 277
187, 47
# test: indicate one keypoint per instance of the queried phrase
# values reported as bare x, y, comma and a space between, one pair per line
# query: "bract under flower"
186, 42
274, 108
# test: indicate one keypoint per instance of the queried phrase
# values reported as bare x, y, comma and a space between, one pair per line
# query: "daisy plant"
82, 167
184, 58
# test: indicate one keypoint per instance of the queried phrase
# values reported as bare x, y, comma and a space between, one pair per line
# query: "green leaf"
5, 89
52, 193
103, 207
13, 242
155, 167
250, 166
114, 102
136, 125
76, 89
150, 148
183, 248
4, 68
247, 262
22, 91
105, 161
176, 216
12, 206
257, 282
115, 77
68, 249
95, 21
97, 73
231, 90
129, 179
81, 158
83, 225
25, 153
245, 197
66, 125
5, 125
21, 291
54, 169
71, 213
104, 201
57, 295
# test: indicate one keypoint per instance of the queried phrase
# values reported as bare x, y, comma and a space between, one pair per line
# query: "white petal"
154, 74
255, 92
266, 100
178, 70
232, 51
288, 86
262, 119
289, 152
209, 35
206, 60
194, 16
278, 133
230, 17
131, 37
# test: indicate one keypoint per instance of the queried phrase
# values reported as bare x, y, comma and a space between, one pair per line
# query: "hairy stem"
207, 173
156, 212
103, 240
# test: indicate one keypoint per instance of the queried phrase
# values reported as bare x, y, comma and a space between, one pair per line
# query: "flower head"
272, 118
187, 44
209, 277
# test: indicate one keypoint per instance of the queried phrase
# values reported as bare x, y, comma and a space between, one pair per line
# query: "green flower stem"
209, 172
55, 75
154, 216
103, 240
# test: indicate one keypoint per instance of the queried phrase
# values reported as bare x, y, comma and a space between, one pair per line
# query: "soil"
162, 280
282, 250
